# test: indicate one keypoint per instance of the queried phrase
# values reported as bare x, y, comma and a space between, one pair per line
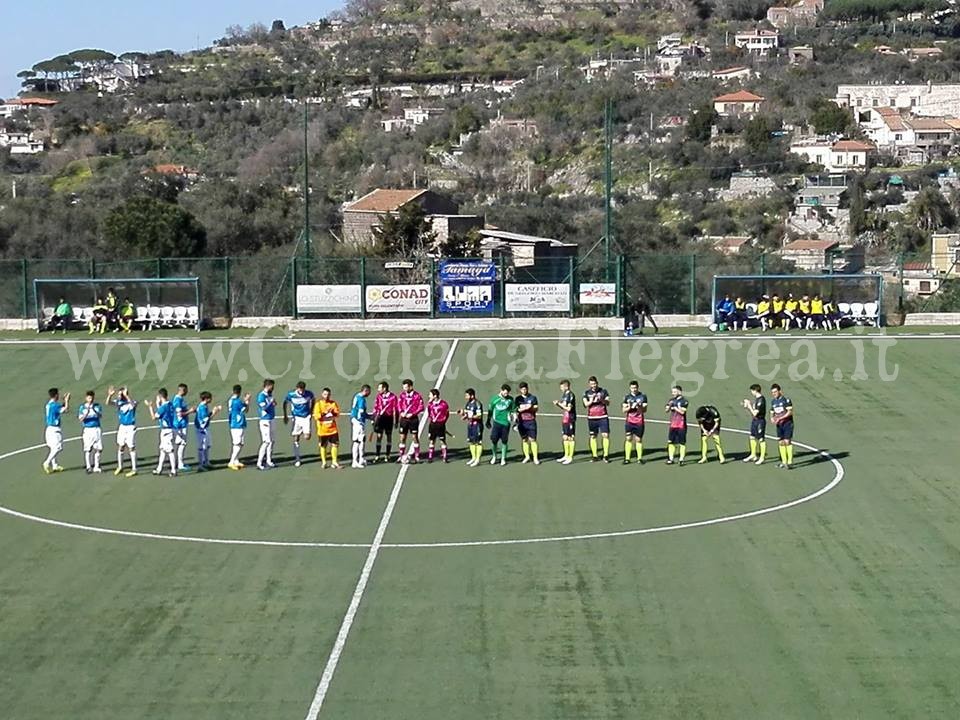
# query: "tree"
408, 233
930, 211
758, 132
701, 123
858, 216
828, 117
147, 227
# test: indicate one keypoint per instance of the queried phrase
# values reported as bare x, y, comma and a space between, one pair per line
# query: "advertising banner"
465, 272
328, 299
398, 298
466, 299
598, 293
537, 297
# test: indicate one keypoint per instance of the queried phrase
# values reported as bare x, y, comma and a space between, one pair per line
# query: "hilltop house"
921, 100
762, 43
737, 73
412, 118
741, 102
945, 253
362, 217
835, 156
810, 254
918, 139
800, 13
21, 143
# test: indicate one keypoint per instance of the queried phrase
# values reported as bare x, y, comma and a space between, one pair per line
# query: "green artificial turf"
842, 607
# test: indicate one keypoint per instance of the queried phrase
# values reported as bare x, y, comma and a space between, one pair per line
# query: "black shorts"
410, 425
569, 429
758, 428
598, 426
705, 428
329, 440
475, 433
383, 424
677, 436
437, 431
499, 433
785, 430
528, 429
634, 429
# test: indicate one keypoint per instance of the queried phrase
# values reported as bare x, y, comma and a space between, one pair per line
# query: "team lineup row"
402, 412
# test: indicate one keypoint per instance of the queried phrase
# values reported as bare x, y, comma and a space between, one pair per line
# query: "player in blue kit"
473, 413
267, 406
237, 408
204, 415
527, 407
634, 411
757, 409
568, 422
53, 434
300, 401
781, 412
162, 411
127, 428
90, 415
358, 428
181, 425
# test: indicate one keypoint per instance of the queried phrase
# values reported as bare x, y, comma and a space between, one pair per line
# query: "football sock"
416, 451
627, 450
789, 453
49, 462
606, 447
719, 445
535, 450
783, 453
671, 451
235, 454
593, 446
96, 459
683, 452
401, 448
703, 447
379, 443
181, 449
296, 451
639, 450
503, 451
430, 452
526, 450
119, 459
762, 444
323, 455
261, 454
443, 452
753, 447
133, 460
389, 445
334, 451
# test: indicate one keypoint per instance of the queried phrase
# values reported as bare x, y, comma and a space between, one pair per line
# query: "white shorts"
92, 439
236, 436
166, 440
180, 436
54, 438
301, 426
266, 431
203, 439
358, 430
127, 436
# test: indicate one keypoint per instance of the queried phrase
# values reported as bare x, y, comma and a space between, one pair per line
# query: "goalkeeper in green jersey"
500, 418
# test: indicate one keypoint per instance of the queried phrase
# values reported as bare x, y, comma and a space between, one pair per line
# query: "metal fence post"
618, 302
693, 284
158, 268
433, 288
226, 287
23, 268
363, 287
573, 284
763, 263
503, 289
900, 295
293, 286
93, 268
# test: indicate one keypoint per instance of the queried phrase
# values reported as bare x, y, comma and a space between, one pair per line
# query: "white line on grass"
334, 659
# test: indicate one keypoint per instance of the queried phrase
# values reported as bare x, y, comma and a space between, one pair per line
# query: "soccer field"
437, 591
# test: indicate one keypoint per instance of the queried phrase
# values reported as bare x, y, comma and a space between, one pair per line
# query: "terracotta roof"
917, 266
852, 146
928, 124
952, 122
739, 96
383, 201
822, 245
891, 118
38, 102
172, 169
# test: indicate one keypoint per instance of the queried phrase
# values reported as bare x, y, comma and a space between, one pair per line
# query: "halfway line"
331, 667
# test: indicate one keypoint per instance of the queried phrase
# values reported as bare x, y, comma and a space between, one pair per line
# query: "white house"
835, 156
758, 42
921, 100
920, 139
741, 102
411, 118
737, 73
21, 143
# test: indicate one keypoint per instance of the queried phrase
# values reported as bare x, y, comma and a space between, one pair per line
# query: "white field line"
334, 659
490, 338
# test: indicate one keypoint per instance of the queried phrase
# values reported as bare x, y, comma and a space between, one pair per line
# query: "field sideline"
437, 591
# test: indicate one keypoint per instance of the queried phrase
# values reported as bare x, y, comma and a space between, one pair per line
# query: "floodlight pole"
307, 249
608, 185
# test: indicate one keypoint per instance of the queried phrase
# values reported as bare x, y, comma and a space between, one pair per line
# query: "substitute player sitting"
527, 407
438, 413
98, 321
299, 402
708, 418
634, 410
127, 314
